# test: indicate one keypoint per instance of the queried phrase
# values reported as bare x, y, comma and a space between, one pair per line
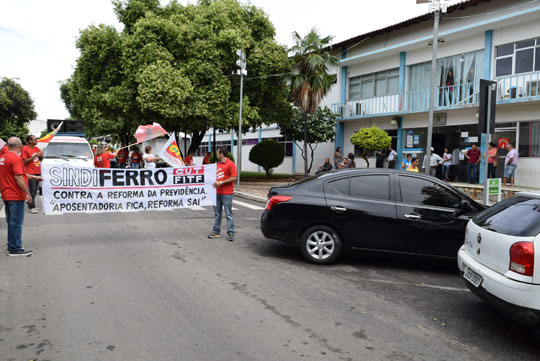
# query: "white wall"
527, 172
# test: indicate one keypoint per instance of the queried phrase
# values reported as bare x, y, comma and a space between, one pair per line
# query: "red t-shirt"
34, 167
122, 155
206, 160
225, 171
473, 155
3, 150
136, 158
103, 160
188, 160
10, 166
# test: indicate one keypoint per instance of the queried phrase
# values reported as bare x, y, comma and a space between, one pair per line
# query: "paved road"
151, 286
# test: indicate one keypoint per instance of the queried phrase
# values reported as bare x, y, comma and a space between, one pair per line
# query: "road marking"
198, 208
247, 205
456, 289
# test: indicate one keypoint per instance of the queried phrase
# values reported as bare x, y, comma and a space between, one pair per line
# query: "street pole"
486, 155
436, 16
241, 62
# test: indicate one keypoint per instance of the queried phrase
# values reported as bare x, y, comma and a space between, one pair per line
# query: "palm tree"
310, 79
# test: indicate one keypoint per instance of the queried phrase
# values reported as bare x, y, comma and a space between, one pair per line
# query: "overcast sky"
37, 37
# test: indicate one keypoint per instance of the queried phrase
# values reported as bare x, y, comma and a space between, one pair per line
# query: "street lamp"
241, 62
436, 7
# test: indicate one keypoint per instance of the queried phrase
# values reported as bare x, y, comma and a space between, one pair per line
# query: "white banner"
70, 189
2, 143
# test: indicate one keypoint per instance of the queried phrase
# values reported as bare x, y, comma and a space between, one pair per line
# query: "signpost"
486, 123
494, 188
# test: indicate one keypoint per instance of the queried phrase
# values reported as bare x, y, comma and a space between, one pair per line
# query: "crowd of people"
447, 163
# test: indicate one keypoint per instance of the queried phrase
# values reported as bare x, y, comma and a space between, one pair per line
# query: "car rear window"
518, 216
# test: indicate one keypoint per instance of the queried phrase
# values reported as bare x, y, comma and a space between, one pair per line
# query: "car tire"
320, 245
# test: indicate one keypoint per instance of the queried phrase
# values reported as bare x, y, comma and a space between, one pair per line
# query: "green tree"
16, 109
174, 65
310, 79
319, 127
371, 139
269, 154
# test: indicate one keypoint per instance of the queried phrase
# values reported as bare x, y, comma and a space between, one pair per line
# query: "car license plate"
472, 277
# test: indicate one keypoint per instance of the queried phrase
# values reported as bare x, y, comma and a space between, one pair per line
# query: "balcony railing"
515, 88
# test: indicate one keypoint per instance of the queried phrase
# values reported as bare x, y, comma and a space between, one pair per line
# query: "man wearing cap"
434, 162
14, 189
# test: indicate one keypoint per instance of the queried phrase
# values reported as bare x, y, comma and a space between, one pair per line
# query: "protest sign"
70, 189
170, 153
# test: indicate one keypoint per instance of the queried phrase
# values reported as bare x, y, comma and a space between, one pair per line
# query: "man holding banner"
226, 176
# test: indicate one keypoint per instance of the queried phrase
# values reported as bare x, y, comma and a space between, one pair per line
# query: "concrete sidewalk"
256, 191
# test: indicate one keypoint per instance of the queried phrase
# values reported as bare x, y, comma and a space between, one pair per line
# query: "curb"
249, 196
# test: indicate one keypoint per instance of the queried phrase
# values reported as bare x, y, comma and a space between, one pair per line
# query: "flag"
47, 138
147, 132
2, 143
170, 153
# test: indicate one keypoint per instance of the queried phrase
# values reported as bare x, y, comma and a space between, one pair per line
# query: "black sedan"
370, 209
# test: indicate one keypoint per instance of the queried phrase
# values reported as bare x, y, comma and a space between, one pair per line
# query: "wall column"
401, 91
488, 54
340, 126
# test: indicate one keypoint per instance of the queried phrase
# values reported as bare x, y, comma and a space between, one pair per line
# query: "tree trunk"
196, 139
305, 147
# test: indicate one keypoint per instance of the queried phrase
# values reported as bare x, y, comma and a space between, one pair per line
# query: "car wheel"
320, 245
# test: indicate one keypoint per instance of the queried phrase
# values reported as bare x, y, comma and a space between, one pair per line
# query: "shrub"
268, 154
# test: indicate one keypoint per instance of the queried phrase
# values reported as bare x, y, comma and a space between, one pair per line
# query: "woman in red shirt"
102, 159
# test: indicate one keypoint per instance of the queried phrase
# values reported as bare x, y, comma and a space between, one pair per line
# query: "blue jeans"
445, 171
15, 219
223, 201
135, 165
474, 176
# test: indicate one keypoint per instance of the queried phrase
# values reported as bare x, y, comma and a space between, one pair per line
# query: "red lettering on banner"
188, 170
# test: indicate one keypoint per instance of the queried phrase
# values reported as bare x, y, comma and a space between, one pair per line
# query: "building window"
517, 58
529, 139
287, 143
204, 147
374, 84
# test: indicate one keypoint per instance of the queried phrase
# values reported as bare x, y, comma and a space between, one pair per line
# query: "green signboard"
494, 186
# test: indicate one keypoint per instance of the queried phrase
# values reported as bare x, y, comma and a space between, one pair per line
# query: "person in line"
150, 160
492, 160
226, 176
414, 165
510, 164
32, 157
349, 161
102, 158
446, 164
14, 191
136, 159
381, 156
473, 156
206, 159
122, 157
406, 163
326, 167
392, 154
434, 161
189, 159
338, 158
452, 174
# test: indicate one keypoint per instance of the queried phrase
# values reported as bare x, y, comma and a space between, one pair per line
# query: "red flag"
147, 132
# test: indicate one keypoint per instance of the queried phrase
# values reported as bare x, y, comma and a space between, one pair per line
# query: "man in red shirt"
136, 158
226, 175
32, 157
206, 159
14, 189
122, 157
189, 159
473, 156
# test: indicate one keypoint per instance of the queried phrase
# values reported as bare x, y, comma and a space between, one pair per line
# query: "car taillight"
522, 258
275, 200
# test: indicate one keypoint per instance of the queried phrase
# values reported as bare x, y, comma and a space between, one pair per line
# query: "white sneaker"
33, 211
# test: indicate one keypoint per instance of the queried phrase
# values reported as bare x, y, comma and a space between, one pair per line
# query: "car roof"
68, 139
531, 194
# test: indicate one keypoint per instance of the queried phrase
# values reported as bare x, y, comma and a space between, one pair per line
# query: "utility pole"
436, 7
241, 62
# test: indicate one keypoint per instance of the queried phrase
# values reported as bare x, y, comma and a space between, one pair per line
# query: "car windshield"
518, 216
68, 150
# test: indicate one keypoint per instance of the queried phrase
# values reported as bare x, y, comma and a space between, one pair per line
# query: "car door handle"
412, 216
338, 209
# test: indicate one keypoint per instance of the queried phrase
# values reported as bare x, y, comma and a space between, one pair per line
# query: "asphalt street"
152, 286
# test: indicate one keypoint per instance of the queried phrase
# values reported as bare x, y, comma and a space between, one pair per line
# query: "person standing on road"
392, 154
338, 158
14, 190
510, 164
406, 162
434, 161
492, 160
226, 176
446, 164
102, 159
136, 158
473, 156
150, 160
414, 165
32, 157
122, 157
381, 156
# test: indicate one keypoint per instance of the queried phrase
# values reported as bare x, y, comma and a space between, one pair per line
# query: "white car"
498, 261
68, 149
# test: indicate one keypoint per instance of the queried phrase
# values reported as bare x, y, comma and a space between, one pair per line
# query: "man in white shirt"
150, 160
392, 154
434, 162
